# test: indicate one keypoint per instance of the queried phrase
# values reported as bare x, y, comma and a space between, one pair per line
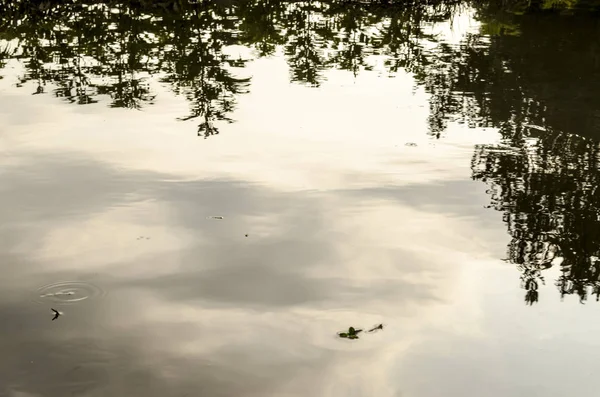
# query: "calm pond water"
208, 194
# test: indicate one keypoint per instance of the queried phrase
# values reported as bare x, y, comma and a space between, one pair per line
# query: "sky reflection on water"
357, 213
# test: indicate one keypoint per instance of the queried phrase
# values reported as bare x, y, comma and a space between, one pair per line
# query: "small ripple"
66, 292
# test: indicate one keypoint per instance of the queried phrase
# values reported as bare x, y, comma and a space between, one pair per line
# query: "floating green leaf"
351, 334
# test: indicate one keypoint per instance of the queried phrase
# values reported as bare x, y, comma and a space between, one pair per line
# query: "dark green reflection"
536, 77
547, 189
534, 54
86, 50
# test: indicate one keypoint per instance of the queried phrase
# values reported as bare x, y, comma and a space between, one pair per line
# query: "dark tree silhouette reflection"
544, 177
89, 50
548, 191
194, 64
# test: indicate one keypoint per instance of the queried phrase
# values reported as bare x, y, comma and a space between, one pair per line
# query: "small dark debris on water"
56, 314
216, 217
246, 235
410, 144
351, 334
143, 238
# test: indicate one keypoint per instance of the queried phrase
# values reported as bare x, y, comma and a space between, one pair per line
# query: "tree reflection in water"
520, 73
83, 51
546, 179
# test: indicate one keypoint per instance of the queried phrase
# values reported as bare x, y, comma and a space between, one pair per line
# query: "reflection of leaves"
303, 46
259, 24
496, 28
543, 180
88, 49
5, 53
92, 50
550, 4
548, 193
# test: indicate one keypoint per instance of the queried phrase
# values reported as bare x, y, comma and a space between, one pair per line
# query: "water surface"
209, 194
